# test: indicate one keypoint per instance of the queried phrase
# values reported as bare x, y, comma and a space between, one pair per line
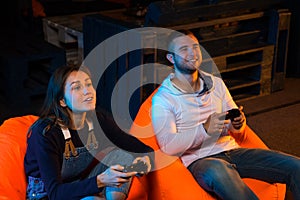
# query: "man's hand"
215, 123
238, 122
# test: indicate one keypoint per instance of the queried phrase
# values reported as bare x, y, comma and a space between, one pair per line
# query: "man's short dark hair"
176, 34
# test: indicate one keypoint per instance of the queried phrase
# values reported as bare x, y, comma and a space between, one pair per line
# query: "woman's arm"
48, 150
122, 139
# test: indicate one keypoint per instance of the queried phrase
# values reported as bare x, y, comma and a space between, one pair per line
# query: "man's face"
80, 95
186, 55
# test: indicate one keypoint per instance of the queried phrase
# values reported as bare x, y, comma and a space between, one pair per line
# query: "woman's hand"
144, 159
113, 176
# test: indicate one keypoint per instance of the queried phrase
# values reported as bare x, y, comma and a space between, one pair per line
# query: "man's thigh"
267, 165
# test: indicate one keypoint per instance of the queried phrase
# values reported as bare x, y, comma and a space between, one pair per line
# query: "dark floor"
275, 117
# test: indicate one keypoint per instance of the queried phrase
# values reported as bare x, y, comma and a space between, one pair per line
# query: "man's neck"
187, 82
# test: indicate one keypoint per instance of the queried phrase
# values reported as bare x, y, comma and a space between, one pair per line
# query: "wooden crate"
243, 54
27, 69
247, 73
279, 36
66, 32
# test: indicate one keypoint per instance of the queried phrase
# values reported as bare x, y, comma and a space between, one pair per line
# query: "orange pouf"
174, 181
13, 147
13, 137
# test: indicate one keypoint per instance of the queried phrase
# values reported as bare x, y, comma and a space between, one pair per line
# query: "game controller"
233, 113
139, 167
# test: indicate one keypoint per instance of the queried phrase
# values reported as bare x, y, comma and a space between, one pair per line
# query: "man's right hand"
215, 123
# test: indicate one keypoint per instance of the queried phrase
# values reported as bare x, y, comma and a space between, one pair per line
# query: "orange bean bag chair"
37, 9
13, 147
172, 181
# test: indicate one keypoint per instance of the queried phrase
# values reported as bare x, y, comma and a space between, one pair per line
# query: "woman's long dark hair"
52, 112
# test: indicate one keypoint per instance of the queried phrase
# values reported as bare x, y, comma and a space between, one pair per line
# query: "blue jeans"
221, 174
113, 158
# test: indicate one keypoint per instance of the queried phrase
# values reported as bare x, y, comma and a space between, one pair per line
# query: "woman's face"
80, 95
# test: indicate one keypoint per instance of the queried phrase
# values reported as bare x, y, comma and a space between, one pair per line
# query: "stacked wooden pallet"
26, 69
66, 32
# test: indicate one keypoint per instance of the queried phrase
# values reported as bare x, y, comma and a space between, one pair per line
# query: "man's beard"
183, 67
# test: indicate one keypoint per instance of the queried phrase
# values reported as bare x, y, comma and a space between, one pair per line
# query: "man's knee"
212, 170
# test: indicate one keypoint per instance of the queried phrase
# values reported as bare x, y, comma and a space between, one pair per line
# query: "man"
188, 116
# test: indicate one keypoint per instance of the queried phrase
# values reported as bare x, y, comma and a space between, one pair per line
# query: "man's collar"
207, 82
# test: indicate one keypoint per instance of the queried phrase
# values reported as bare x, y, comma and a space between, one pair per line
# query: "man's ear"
62, 103
170, 57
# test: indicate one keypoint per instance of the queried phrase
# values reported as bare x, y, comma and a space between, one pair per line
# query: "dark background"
275, 117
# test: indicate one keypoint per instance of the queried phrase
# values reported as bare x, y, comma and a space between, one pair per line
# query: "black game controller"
233, 113
139, 167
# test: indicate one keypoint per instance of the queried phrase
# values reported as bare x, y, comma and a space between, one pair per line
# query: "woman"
67, 141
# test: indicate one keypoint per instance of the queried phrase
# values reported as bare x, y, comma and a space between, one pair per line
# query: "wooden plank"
266, 75
212, 22
279, 36
266, 53
240, 65
170, 15
64, 30
231, 43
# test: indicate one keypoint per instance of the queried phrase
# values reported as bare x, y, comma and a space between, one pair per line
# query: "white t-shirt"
177, 118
